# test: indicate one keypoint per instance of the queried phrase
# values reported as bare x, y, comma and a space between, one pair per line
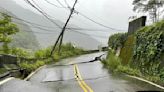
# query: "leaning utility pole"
60, 37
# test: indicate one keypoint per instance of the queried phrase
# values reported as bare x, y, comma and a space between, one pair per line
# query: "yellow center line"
80, 79
81, 85
89, 88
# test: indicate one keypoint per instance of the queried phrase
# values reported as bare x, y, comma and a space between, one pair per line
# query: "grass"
126, 53
2, 70
31, 66
114, 64
128, 70
67, 50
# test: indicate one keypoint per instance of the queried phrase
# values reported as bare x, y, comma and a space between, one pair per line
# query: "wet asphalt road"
84, 77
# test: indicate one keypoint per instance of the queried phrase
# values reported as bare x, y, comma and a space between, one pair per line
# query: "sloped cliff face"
48, 37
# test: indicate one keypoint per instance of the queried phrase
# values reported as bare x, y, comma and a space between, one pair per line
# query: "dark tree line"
155, 8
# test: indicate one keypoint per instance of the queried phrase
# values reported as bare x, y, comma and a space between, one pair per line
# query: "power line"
52, 28
34, 3
100, 24
63, 29
92, 19
31, 23
60, 3
62, 37
67, 3
42, 27
42, 12
89, 30
92, 13
54, 4
39, 8
52, 31
37, 32
38, 27
51, 21
61, 34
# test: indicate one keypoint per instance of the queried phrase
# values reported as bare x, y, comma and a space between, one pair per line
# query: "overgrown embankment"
141, 54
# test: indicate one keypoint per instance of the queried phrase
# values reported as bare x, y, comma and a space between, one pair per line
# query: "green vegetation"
142, 54
67, 50
126, 53
7, 28
153, 7
117, 40
31, 66
149, 48
2, 70
113, 61
114, 64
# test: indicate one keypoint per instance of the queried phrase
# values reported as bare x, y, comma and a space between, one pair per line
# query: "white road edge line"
146, 81
6, 80
28, 77
31, 74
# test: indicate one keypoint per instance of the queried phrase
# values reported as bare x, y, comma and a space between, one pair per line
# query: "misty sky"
112, 13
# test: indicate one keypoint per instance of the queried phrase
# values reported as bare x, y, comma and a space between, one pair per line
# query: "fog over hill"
46, 32
25, 38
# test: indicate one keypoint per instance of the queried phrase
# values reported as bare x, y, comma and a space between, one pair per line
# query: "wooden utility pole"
60, 37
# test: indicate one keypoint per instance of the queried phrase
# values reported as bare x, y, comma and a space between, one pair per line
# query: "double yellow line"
80, 80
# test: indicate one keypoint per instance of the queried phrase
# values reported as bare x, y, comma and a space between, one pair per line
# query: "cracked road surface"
76, 77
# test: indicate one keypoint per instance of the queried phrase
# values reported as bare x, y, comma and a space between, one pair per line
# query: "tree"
7, 28
117, 40
153, 7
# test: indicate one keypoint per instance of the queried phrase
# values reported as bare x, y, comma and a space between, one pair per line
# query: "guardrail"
10, 73
4, 75
11, 64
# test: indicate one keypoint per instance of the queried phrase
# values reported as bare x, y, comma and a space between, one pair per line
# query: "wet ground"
76, 77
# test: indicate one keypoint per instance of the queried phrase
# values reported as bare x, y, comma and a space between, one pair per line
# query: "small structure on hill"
136, 24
